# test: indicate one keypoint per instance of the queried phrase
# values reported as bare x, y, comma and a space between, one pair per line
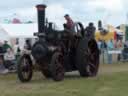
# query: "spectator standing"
3, 70
6, 46
110, 46
103, 45
125, 50
27, 45
119, 44
9, 58
120, 47
99, 44
17, 50
103, 50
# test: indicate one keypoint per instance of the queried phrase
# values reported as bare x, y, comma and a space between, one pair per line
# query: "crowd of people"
109, 46
9, 56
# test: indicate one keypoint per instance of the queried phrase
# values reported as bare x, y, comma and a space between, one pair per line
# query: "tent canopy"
3, 35
20, 30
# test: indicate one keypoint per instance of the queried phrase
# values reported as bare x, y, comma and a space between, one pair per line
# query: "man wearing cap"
90, 31
69, 24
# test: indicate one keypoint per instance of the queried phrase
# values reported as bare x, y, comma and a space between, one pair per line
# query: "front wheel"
24, 68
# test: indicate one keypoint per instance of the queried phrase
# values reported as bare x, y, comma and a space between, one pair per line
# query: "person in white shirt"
17, 51
9, 58
9, 55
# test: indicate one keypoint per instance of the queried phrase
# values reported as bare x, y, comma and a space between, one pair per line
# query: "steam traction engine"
57, 52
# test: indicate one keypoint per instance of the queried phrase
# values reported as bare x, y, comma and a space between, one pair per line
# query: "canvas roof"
20, 30
3, 35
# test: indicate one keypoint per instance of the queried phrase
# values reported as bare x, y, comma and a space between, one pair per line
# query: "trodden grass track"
112, 80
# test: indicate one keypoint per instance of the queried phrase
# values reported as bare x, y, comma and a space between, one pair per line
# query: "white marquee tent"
21, 31
3, 35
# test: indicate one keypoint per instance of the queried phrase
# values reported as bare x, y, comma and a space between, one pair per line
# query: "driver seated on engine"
69, 28
70, 25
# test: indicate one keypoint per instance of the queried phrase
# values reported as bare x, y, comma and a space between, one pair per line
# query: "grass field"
112, 80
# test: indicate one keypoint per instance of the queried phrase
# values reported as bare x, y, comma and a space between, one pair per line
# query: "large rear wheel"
57, 66
87, 57
93, 58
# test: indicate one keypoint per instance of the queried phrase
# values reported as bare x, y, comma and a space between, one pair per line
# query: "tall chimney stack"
41, 17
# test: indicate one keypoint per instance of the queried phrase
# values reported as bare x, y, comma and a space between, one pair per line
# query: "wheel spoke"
92, 65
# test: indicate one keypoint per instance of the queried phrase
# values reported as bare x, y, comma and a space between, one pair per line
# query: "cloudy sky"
110, 11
